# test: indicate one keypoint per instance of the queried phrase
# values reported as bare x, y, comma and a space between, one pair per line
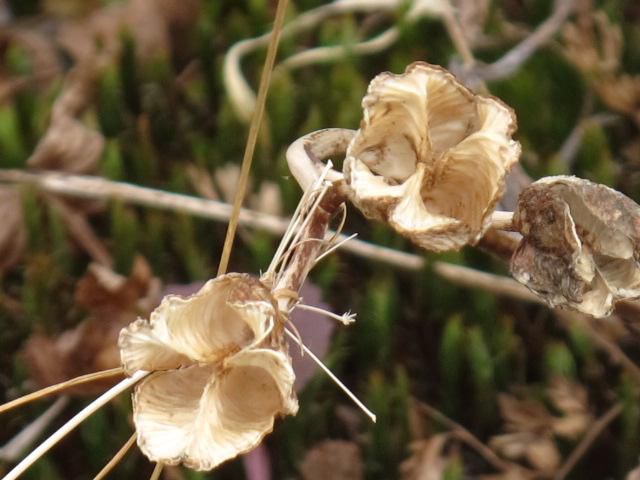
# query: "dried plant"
579, 244
212, 372
430, 157
533, 429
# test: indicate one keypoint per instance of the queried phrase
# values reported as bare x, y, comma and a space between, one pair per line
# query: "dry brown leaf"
113, 302
593, 44
428, 460
531, 435
150, 23
621, 94
68, 145
335, 459
13, 234
571, 399
532, 428
539, 450
523, 415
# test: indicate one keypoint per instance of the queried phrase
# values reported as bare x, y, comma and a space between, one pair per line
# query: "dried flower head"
222, 373
430, 157
579, 246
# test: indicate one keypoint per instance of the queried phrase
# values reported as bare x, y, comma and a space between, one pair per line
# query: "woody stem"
503, 221
310, 244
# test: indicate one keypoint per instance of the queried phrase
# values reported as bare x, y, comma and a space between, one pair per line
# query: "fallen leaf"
428, 460
113, 302
334, 459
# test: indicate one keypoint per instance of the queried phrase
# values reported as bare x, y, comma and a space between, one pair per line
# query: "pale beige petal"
452, 114
166, 411
142, 348
392, 138
469, 180
428, 229
201, 419
227, 314
373, 195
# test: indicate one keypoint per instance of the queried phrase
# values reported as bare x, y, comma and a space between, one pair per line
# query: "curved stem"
307, 154
503, 221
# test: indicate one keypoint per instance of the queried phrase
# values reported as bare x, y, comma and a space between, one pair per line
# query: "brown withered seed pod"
580, 244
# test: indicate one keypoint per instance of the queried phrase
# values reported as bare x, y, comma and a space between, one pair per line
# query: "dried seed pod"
227, 314
430, 157
204, 415
222, 373
579, 246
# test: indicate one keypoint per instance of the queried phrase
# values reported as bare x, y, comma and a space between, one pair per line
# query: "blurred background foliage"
160, 117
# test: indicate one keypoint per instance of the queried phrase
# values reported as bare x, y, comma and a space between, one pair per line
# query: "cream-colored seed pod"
430, 157
221, 373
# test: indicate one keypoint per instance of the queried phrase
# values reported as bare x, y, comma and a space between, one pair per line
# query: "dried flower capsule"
430, 157
579, 246
222, 373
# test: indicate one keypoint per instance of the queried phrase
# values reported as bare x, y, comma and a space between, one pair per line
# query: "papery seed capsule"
579, 246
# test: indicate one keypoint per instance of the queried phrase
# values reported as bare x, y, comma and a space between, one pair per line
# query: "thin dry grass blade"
253, 134
90, 377
155, 475
80, 417
116, 458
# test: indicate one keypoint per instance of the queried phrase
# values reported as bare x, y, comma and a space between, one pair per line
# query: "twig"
116, 458
509, 63
254, 130
489, 282
469, 438
14, 448
336, 52
502, 221
570, 146
103, 189
587, 441
240, 94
